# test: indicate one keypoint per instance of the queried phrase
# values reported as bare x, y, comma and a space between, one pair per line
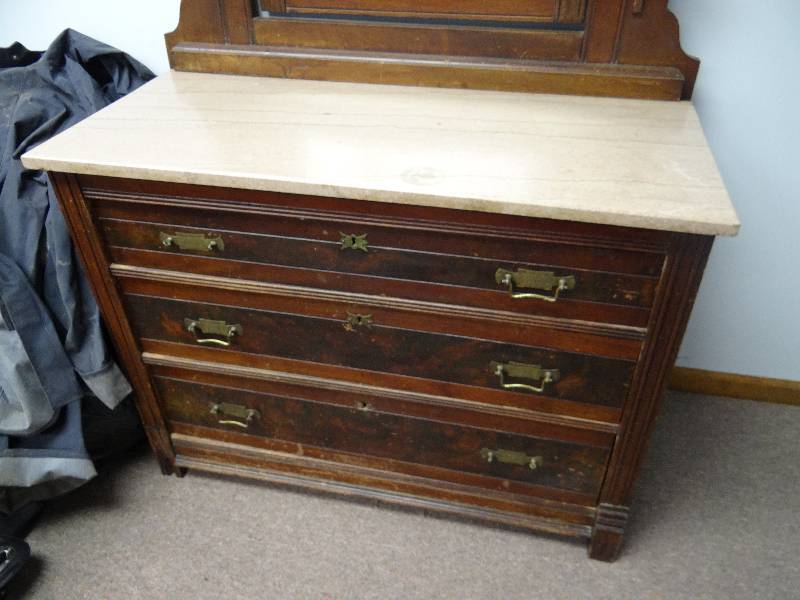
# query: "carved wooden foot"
609, 527
180, 472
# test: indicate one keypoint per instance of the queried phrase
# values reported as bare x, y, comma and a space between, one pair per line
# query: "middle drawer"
491, 362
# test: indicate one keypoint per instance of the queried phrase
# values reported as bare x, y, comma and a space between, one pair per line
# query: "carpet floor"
717, 515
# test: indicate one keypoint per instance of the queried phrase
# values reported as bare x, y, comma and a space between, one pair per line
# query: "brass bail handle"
541, 280
524, 371
247, 415
203, 328
192, 241
510, 457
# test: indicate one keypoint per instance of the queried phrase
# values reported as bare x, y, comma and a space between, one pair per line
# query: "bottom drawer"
363, 428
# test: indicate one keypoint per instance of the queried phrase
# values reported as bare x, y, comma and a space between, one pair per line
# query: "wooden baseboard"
715, 383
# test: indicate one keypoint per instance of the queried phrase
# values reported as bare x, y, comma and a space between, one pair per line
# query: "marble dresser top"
637, 163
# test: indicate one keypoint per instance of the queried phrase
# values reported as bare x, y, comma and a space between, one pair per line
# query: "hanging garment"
52, 347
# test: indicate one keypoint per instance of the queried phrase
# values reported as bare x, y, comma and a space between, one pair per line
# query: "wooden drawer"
451, 263
361, 428
437, 354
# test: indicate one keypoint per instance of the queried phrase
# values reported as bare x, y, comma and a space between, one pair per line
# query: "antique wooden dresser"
463, 300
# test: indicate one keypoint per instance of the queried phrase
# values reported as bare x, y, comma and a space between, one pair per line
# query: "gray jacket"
52, 347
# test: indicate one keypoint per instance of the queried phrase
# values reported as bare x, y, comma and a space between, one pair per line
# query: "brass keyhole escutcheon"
355, 242
354, 321
363, 406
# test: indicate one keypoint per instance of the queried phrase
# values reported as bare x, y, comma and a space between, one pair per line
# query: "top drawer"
532, 266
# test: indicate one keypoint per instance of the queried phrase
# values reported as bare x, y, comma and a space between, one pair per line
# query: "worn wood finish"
460, 40
398, 409
360, 432
615, 278
538, 406
668, 323
391, 255
633, 51
571, 336
383, 349
204, 450
394, 400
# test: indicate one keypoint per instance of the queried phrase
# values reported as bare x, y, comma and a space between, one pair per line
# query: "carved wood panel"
627, 48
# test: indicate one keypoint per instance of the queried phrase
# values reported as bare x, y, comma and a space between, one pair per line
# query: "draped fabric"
52, 348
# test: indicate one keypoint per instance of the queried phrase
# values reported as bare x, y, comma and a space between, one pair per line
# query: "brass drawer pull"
524, 371
234, 410
192, 241
512, 458
538, 280
356, 242
205, 327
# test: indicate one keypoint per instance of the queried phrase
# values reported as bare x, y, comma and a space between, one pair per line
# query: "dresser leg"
609, 528
180, 472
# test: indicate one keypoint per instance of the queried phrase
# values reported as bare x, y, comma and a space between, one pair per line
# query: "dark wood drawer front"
504, 461
433, 264
373, 347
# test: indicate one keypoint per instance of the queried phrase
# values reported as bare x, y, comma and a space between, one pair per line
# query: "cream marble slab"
637, 163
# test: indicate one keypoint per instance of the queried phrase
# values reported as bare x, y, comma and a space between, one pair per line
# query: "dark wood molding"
387, 380
354, 482
731, 385
90, 250
680, 283
608, 532
609, 47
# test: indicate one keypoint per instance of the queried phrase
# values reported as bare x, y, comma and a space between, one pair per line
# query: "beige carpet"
717, 516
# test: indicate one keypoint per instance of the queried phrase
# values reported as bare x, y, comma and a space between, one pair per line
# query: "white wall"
747, 318
137, 27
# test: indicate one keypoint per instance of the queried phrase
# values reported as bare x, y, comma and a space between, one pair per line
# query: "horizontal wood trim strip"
400, 394
658, 83
458, 40
358, 482
731, 385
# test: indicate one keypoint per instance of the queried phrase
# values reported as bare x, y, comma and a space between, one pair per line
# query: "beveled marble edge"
559, 212
180, 100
